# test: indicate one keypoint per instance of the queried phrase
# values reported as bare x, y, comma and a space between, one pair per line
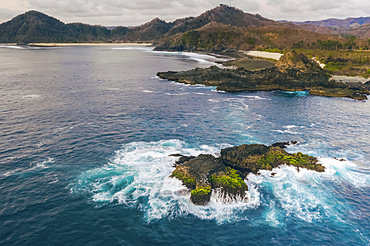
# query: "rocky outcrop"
206, 172
293, 72
226, 174
254, 157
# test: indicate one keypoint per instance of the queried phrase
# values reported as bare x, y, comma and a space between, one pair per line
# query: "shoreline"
263, 54
88, 44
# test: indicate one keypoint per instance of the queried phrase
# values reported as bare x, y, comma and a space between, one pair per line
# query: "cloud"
301, 10
135, 12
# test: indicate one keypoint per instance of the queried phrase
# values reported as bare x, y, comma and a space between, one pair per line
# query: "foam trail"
31, 96
12, 47
148, 91
306, 194
134, 48
201, 58
345, 171
254, 97
33, 166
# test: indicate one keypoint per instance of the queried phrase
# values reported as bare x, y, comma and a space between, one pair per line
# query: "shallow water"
86, 134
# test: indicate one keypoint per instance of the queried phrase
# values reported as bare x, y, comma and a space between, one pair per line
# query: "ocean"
86, 138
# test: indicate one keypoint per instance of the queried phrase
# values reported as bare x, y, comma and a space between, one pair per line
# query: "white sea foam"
238, 102
31, 96
138, 176
201, 58
145, 48
287, 131
290, 126
305, 194
148, 91
42, 164
254, 97
12, 47
341, 169
37, 165
177, 94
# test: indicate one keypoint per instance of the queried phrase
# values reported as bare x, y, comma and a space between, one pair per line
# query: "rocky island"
293, 72
205, 173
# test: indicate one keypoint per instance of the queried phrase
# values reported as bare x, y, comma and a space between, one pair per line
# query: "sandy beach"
264, 54
89, 44
349, 79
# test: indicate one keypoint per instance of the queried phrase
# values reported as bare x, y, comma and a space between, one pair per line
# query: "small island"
205, 173
293, 72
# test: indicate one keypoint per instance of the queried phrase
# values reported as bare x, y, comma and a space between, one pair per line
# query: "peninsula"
293, 72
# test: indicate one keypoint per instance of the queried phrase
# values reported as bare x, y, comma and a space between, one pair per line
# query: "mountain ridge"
37, 27
334, 22
34, 26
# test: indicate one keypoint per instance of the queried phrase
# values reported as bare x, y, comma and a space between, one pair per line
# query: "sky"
137, 12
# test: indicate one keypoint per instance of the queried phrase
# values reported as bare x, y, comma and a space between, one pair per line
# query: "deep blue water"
86, 134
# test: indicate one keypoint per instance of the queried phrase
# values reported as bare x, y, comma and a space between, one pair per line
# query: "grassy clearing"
342, 62
249, 63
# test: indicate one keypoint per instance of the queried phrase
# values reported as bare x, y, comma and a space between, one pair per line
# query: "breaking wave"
138, 177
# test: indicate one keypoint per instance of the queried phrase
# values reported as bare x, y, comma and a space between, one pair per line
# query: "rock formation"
226, 174
293, 72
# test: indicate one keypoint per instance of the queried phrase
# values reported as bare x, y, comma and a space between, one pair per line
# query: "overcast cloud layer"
136, 12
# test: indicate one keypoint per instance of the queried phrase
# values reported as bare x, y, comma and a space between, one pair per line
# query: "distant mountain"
358, 27
221, 28
152, 30
78, 32
218, 37
34, 26
157, 28
347, 23
222, 14
362, 31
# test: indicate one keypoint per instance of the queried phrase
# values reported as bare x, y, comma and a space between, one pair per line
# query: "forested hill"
35, 26
221, 28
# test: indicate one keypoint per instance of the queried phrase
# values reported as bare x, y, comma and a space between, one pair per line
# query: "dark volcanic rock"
293, 72
182, 159
205, 173
254, 157
284, 145
244, 157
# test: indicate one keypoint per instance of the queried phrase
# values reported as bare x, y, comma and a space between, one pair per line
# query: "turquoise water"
86, 134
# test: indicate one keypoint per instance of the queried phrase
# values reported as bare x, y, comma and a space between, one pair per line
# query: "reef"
226, 173
293, 72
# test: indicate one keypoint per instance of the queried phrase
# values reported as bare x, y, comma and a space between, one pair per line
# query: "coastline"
263, 54
88, 44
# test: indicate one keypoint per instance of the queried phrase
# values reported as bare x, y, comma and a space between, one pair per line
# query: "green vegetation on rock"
254, 157
229, 181
201, 196
342, 62
181, 174
204, 173
276, 156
